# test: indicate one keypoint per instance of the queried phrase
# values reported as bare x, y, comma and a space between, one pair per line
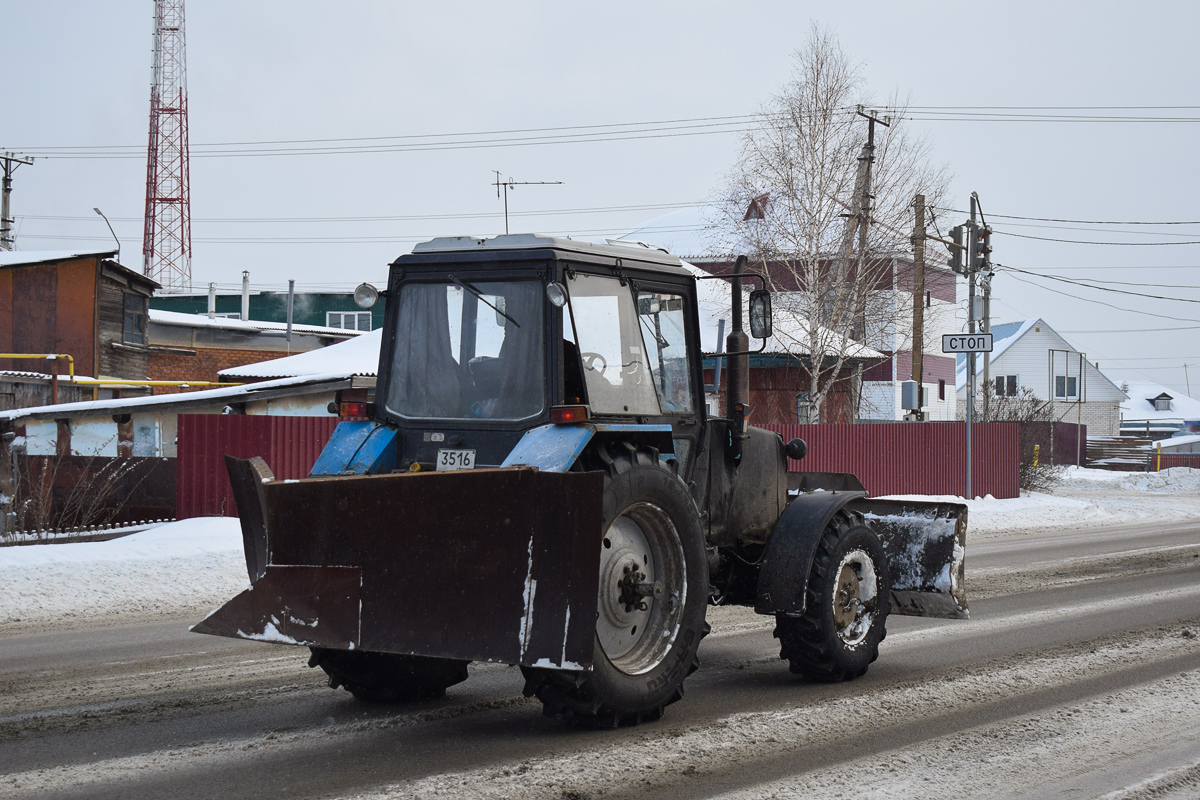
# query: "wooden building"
80, 303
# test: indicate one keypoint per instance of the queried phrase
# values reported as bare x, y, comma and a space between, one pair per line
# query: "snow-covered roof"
1178, 441
1140, 405
357, 356
202, 397
789, 334
249, 325
13, 258
1004, 336
360, 356
684, 232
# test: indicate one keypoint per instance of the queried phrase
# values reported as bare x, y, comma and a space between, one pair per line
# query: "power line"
1084, 221
1101, 302
1083, 241
1101, 288
1140, 330
395, 218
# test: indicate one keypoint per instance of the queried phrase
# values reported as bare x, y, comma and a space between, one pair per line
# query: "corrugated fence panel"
290, 446
914, 458
1169, 460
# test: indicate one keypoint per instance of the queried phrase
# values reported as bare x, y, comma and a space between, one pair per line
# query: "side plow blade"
925, 545
480, 565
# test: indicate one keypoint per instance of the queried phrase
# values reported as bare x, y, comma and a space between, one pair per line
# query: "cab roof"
648, 257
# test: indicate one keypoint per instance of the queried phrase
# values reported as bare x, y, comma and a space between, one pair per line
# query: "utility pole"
918, 331
970, 329
10, 162
511, 184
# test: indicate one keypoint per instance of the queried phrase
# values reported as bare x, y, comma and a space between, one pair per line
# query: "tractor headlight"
365, 295
557, 294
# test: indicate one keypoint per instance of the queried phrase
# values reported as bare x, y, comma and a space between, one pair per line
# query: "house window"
1006, 385
1162, 403
1066, 387
135, 319
348, 320
804, 409
941, 390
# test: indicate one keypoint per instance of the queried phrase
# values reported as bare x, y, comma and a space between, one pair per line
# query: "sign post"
969, 343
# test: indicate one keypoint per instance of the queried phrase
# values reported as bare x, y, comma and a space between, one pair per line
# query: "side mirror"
760, 314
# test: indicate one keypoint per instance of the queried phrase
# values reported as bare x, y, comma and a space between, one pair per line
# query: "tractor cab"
488, 339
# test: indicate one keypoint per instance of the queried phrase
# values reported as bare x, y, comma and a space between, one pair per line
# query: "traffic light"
981, 252
956, 250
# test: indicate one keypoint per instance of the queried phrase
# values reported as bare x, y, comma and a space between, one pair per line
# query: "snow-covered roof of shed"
14, 258
157, 401
1140, 405
1178, 441
357, 356
247, 325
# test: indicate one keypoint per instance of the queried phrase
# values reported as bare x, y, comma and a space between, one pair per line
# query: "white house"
1156, 410
1032, 355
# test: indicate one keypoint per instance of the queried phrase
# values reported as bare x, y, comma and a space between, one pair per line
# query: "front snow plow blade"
479, 565
925, 545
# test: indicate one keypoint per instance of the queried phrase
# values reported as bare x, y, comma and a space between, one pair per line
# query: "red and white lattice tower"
167, 244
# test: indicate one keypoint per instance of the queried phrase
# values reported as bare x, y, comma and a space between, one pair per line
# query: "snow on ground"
194, 565
180, 567
1087, 498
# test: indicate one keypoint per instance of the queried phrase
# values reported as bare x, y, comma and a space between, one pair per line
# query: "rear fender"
925, 545
787, 559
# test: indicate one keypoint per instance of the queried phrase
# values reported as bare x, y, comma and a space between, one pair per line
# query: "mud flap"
925, 545
481, 565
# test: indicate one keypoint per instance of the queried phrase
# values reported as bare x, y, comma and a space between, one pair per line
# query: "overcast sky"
78, 73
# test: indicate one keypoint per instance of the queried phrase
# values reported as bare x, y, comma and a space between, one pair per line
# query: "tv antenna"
511, 184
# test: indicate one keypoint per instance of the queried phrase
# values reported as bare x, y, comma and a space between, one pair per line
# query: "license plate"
455, 459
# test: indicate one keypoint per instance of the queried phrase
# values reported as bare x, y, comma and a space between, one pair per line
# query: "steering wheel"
590, 359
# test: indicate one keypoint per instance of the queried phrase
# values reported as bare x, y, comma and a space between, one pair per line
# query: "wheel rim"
641, 548
855, 598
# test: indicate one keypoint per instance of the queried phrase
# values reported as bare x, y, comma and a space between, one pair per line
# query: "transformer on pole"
167, 244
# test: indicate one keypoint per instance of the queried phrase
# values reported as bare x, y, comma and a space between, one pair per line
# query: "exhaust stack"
737, 345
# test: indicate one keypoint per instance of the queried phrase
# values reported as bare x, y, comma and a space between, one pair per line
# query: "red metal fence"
889, 458
290, 446
915, 458
1168, 460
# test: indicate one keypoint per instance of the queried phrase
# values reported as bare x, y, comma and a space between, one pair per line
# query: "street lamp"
110, 230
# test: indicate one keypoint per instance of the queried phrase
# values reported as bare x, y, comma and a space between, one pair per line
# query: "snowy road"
1078, 676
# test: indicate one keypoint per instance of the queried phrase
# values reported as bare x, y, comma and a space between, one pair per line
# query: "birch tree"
792, 202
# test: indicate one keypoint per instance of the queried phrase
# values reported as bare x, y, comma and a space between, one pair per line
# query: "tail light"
356, 409
565, 415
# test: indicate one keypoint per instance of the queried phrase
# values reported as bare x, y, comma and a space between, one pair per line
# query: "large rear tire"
388, 678
846, 606
651, 604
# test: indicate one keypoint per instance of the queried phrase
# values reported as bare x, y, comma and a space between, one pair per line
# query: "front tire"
846, 605
386, 677
651, 603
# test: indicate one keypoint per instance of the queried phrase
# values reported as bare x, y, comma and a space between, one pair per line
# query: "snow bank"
179, 567
1087, 498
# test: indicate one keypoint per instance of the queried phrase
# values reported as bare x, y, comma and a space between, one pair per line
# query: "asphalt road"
1077, 676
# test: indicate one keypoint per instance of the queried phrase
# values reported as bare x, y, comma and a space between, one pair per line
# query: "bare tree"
802, 175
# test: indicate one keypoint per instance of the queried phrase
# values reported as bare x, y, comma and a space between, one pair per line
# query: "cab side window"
663, 323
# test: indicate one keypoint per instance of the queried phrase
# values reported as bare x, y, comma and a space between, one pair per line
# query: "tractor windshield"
468, 350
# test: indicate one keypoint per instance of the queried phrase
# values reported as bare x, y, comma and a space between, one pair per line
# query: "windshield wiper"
479, 295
